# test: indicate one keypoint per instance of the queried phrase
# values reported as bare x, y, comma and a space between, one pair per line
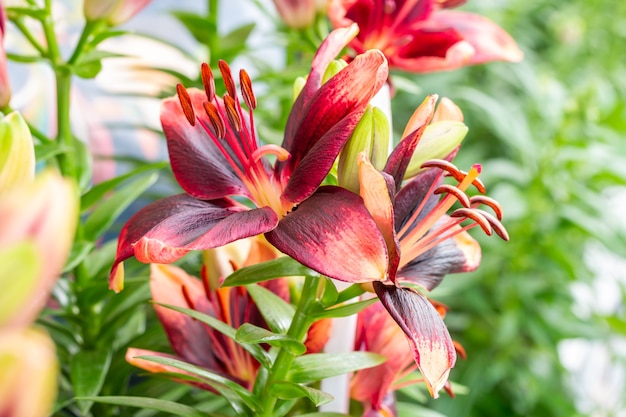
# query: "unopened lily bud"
333, 68
297, 14
372, 136
114, 12
5, 87
28, 373
17, 153
43, 213
298, 85
437, 142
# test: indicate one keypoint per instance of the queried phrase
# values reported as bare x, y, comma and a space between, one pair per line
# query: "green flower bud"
333, 68
298, 85
17, 153
372, 136
438, 141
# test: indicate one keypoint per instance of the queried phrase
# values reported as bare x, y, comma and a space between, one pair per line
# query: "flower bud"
333, 69
44, 214
114, 12
17, 154
372, 136
28, 373
297, 14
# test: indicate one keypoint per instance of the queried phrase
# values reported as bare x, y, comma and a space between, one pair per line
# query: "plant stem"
298, 329
212, 12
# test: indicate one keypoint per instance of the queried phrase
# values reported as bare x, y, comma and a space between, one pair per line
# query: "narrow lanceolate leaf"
209, 377
87, 371
107, 212
309, 368
255, 350
344, 310
432, 345
148, 403
276, 311
289, 391
249, 333
264, 271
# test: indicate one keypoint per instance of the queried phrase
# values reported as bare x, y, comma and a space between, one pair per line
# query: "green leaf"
345, 310
197, 25
317, 366
323, 414
43, 152
79, 252
34, 12
84, 164
98, 192
151, 403
290, 390
234, 42
280, 267
349, 293
255, 350
330, 293
90, 64
209, 377
249, 333
277, 312
107, 212
88, 369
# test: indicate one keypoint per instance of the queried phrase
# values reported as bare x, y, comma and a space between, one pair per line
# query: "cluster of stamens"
418, 238
232, 131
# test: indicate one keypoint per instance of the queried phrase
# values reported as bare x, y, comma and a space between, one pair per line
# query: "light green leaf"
277, 312
255, 350
314, 367
88, 369
151, 403
209, 377
107, 212
249, 333
280, 267
290, 390
79, 252
345, 310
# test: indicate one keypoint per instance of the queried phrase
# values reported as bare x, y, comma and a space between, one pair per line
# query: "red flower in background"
424, 35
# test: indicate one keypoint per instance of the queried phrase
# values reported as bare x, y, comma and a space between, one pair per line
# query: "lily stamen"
488, 201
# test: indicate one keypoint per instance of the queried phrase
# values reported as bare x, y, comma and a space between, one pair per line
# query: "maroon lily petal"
333, 233
167, 229
188, 337
432, 345
490, 41
327, 122
198, 165
328, 50
458, 254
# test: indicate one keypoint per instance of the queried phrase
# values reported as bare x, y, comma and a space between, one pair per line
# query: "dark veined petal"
327, 122
188, 337
198, 165
458, 254
333, 233
432, 345
412, 194
165, 230
328, 50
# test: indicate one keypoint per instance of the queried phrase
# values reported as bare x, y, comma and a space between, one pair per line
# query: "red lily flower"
423, 242
198, 344
215, 154
422, 35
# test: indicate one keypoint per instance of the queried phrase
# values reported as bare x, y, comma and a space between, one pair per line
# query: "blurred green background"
551, 134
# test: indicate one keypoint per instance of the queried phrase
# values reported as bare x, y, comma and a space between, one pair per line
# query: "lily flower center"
417, 238
231, 128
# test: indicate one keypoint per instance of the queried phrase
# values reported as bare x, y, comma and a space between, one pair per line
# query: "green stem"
298, 329
212, 12
90, 28
29, 37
